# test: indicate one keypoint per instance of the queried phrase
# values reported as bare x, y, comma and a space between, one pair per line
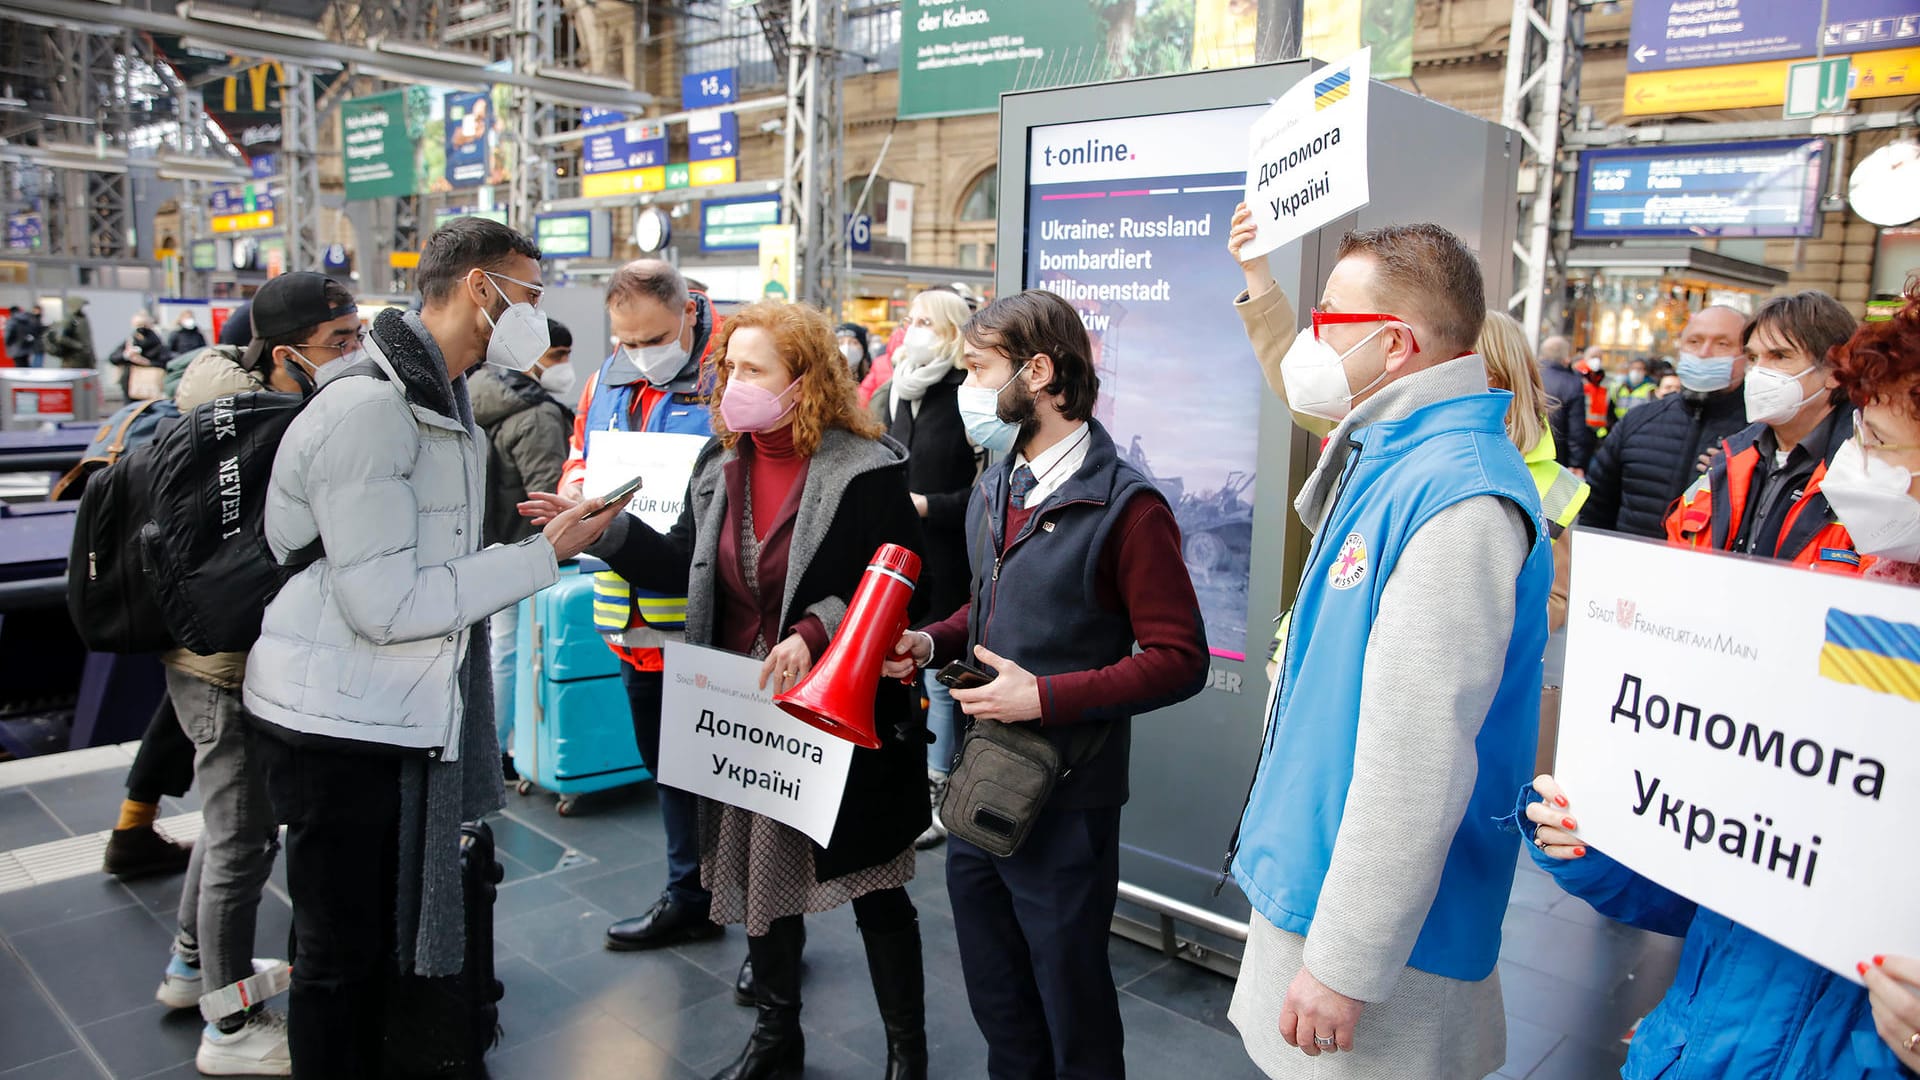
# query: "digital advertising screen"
1127, 220
564, 235
1747, 189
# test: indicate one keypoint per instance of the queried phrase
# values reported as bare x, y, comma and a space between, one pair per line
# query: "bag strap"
120, 434
1090, 747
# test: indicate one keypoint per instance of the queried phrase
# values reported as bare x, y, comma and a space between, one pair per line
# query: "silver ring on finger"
1324, 1042
1538, 842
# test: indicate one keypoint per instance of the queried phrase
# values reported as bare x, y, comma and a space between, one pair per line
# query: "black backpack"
108, 597
204, 546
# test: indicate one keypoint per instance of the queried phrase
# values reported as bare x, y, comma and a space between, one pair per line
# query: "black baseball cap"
287, 304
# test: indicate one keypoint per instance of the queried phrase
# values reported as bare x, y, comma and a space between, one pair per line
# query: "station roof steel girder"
246, 40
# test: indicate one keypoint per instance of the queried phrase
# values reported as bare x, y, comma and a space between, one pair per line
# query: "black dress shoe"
143, 851
666, 923
743, 983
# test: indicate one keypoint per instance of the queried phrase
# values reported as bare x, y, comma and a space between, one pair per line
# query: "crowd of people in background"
436, 473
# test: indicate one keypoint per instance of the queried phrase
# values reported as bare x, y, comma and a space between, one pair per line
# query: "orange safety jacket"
1713, 510
1599, 406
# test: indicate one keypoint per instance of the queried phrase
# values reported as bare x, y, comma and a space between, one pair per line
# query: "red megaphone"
837, 695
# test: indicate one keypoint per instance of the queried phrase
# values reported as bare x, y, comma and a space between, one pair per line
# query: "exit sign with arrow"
1816, 88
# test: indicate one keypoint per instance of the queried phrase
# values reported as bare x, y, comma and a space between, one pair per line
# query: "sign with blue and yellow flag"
1747, 734
1879, 654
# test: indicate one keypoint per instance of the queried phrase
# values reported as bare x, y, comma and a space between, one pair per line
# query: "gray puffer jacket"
388, 472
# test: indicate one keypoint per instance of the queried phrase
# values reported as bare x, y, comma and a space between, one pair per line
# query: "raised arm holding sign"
1307, 157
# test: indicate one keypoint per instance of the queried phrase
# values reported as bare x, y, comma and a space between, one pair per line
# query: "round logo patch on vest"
1350, 566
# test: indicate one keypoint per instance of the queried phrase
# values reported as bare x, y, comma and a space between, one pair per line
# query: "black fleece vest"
1036, 603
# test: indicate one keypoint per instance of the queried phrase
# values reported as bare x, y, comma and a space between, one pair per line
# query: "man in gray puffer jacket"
367, 674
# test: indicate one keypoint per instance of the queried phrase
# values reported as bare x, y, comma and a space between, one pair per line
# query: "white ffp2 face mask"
519, 335
1316, 377
1774, 397
558, 380
659, 364
1870, 497
920, 339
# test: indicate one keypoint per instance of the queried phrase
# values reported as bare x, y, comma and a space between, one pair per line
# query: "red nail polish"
1566, 823
1879, 960
1560, 801
1579, 853
1861, 967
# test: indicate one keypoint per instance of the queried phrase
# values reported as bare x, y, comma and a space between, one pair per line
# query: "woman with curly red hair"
1874, 484
786, 506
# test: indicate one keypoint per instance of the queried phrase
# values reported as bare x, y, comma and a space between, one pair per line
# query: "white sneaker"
258, 1049
180, 987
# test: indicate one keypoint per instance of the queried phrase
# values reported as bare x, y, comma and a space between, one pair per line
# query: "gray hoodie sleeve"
1434, 662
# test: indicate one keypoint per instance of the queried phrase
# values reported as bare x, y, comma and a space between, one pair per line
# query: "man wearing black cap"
288, 348
303, 322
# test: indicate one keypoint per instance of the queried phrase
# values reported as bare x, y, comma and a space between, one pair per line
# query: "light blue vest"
1398, 475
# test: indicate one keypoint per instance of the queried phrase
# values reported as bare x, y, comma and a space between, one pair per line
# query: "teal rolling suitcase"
573, 728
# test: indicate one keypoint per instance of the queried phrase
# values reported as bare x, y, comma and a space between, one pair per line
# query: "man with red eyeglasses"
1371, 847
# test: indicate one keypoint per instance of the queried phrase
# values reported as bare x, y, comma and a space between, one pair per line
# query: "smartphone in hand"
621, 492
961, 675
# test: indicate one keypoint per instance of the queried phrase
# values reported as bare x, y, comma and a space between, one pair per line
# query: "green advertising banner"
383, 137
1340, 28
958, 56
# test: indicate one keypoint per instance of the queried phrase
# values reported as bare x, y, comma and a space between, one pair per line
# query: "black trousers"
1033, 947
164, 763
679, 810
342, 812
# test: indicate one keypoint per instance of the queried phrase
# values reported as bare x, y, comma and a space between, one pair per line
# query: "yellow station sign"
1882, 73
259, 219
628, 182
716, 171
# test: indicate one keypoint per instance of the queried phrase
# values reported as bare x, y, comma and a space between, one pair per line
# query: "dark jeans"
164, 763
342, 812
1033, 947
679, 810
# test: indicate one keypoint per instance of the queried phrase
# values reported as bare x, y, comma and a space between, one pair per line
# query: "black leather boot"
893, 960
776, 1050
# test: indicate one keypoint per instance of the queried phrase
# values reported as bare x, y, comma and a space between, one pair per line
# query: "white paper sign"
666, 460
1307, 157
721, 736
1746, 734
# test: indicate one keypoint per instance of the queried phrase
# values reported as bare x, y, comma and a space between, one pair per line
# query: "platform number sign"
860, 232
704, 89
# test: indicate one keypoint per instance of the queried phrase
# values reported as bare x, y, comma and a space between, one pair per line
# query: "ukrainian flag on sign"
1877, 654
1331, 89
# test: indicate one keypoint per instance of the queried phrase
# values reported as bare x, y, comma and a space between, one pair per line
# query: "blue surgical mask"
980, 412
1705, 374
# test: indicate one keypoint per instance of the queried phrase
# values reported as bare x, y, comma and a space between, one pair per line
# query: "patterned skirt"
760, 870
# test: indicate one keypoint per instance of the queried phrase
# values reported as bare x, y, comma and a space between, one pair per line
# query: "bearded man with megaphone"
785, 510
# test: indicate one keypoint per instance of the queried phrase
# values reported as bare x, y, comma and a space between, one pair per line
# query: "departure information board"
1746, 189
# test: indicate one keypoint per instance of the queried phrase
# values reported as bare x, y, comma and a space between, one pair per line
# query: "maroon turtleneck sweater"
779, 476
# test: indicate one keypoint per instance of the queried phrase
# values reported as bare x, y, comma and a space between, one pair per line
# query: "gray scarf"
918, 371
437, 795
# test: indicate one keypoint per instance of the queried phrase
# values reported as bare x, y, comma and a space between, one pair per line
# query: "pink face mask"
749, 408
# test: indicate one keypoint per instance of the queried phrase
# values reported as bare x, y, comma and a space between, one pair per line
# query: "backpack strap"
86, 466
120, 435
